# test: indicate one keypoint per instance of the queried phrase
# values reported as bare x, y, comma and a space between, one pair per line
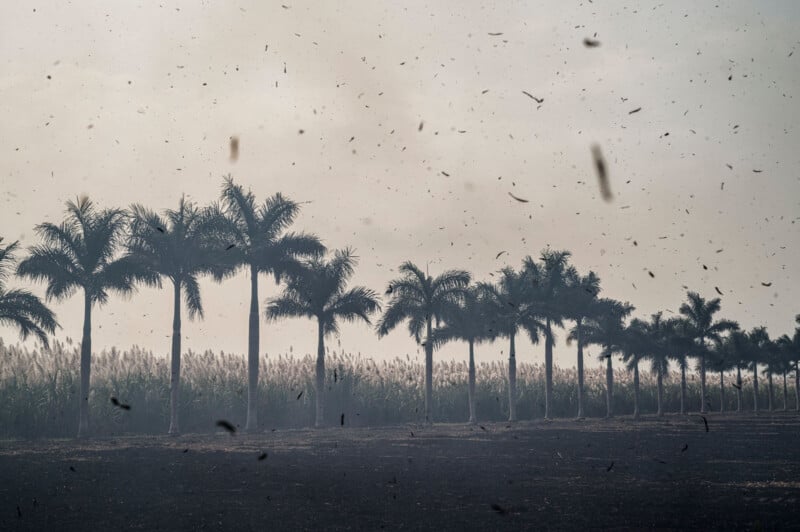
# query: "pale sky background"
135, 102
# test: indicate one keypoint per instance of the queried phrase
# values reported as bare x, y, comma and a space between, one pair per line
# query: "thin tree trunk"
579, 326
512, 381
660, 384
175, 369
252, 354
738, 388
429, 373
785, 392
769, 389
636, 390
755, 387
609, 388
721, 391
86, 367
683, 387
548, 370
471, 383
702, 382
319, 421
797, 387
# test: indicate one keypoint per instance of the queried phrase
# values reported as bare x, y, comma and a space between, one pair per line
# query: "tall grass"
38, 391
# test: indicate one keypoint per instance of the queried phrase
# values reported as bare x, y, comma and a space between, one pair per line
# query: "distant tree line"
102, 251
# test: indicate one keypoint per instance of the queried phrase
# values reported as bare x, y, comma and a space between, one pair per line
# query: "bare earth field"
744, 473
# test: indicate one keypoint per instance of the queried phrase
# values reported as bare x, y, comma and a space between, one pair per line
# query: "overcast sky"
135, 102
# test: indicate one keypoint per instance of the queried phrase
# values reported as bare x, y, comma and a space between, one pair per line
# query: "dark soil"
669, 473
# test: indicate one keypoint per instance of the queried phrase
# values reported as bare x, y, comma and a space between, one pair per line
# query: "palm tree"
721, 359
317, 291
255, 239
679, 344
467, 321
177, 247
736, 347
550, 283
785, 354
699, 315
635, 347
758, 339
655, 345
772, 359
793, 354
512, 305
420, 299
580, 304
607, 329
20, 308
81, 253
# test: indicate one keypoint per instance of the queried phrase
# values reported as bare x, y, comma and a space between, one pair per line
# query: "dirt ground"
744, 473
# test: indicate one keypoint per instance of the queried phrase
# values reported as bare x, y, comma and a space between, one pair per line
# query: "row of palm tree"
98, 251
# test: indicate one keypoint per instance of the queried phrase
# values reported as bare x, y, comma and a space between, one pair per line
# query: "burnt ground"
744, 473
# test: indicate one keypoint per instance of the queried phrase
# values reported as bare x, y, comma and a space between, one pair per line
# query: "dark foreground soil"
744, 473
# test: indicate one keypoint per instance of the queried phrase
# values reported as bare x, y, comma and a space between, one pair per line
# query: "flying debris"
421, 125
635, 111
499, 509
226, 425
389, 290
262, 456
718, 290
518, 199
609, 468
602, 177
591, 43
757, 171
651, 274
498, 255
766, 284
685, 447
115, 402
534, 98
230, 247
299, 395
705, 421
495, 34
234, 148
341, 421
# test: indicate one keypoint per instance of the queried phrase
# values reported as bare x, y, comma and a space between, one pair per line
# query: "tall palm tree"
680, 345
793, 355
467, 321
736, 347
512, 306
772, 359
421, 299
177, 247
550, 283
255, 238
82, 253
635, 346
20, 308
785, 363
758, 340
318, 291
656, 349
580, 304
607, 329
699, 315
721, 359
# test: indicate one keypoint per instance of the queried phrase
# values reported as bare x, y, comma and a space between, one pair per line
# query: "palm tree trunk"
683, 387
512, 381
548, 369
797, 387
660, 383
579, 326
769, 389
755, 387
721, 391
609, 387
785, 391
175, 369
636, 390
252, 354
471, 384
86, 367
738, 388
429, 373
319, 420
702, 383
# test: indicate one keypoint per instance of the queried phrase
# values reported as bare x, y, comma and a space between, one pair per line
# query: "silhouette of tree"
579, 304
255, 240
758, 338
81, 253
20, 308
317, 291
420, 299
176, 246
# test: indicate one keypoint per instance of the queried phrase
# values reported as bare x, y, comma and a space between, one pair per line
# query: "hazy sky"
135, 102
